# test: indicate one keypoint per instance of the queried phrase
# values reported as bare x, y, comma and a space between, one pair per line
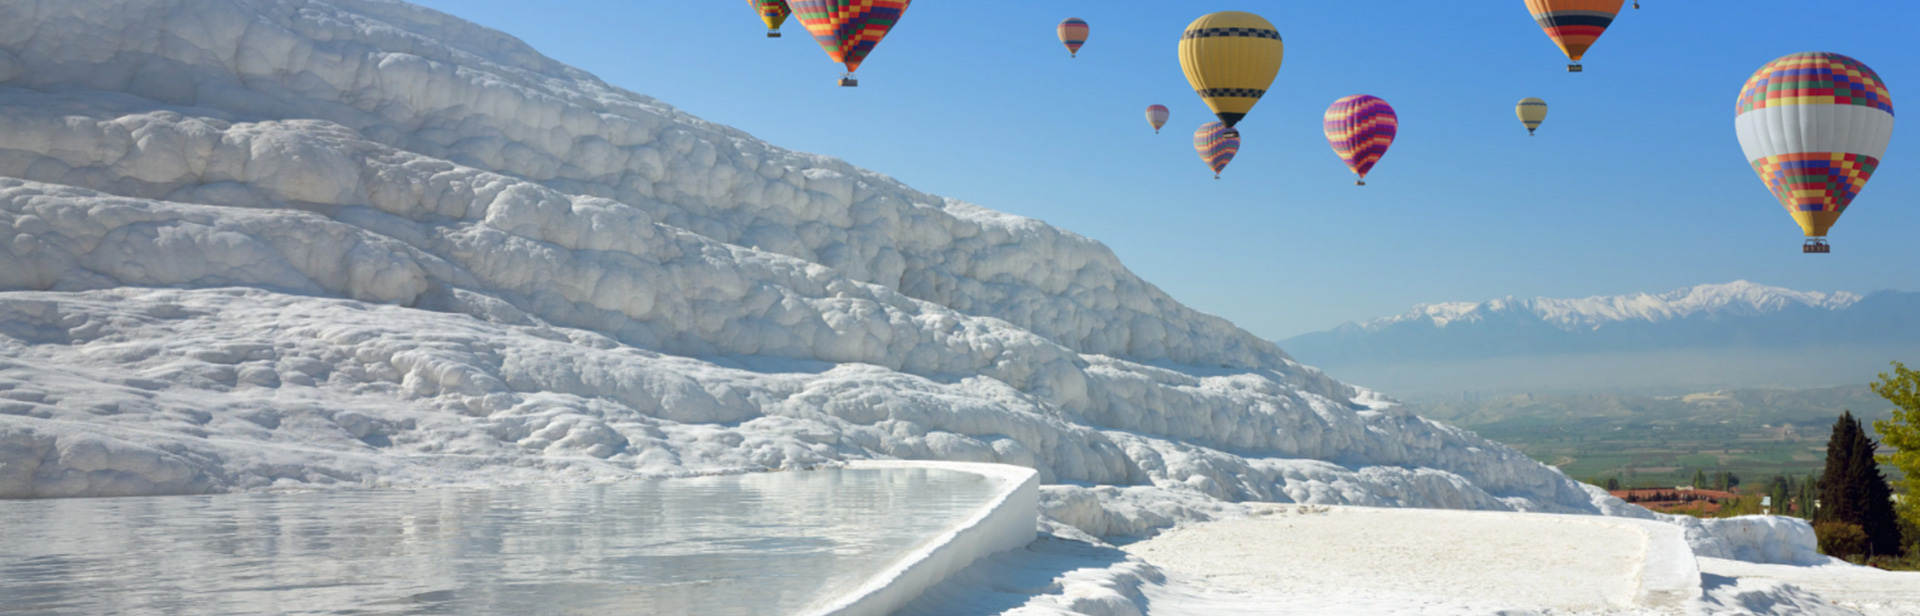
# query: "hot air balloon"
849, 29
1231, 58
1574, 24
1532, 112
1216, 143
774, 12
1361, 128
1157, 116
1814, 126
1073, 34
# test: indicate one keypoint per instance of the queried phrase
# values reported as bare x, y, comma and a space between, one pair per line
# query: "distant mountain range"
1755, 326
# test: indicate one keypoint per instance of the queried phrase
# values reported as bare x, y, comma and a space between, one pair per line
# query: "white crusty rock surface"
248, 244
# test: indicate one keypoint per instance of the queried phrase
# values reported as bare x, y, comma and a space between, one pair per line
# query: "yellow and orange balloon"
773, 13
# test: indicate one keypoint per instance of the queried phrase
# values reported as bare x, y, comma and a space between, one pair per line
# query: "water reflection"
769, 543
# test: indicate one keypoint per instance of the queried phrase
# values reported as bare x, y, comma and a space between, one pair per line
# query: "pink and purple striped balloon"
1361, 128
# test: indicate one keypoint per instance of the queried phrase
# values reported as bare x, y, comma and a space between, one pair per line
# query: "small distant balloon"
1073, 34
1217, 143
1157, 116
1360, 128
773, 12
1532, 112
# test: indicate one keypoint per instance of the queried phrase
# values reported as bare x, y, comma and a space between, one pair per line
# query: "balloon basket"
1359, 182
1816, 246
849, 82
1575, 68
773, 35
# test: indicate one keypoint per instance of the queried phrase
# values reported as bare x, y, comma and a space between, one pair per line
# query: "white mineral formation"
248, 244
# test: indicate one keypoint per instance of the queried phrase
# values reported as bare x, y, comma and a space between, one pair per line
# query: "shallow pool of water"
764, 543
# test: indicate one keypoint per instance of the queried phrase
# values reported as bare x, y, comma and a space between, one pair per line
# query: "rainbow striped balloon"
849, 29
1361, 128
1073, 34
1216, 143
1814, 126
1157, 116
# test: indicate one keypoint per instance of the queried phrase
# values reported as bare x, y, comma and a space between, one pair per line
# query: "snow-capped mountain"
1735, 299
249, 244
1739, 314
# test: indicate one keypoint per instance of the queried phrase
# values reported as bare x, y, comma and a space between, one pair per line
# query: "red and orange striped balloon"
1073, 34
1574, 24
1361, 128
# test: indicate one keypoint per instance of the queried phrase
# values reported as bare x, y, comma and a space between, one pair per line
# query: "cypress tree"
1838, 496
1876, 511
1852, 490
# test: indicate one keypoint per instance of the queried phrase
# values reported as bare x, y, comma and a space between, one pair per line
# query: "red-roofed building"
1666, 500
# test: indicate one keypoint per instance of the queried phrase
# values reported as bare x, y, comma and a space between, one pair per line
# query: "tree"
1853, 491
1699, 478
1779, 489
1809, 490
1902, 432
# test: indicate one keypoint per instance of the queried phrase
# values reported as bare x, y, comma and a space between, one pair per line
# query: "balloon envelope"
773, 12
849, 29
1574, 24
1216, 143
1814, 126
1073, 34
1532, 112
1360, 128
1157, 116
1230, 59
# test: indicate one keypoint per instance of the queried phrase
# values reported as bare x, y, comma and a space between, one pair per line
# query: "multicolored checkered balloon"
1814, 126
849, 29
1361, 128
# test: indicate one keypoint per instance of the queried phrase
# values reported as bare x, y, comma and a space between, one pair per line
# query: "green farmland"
1661, 440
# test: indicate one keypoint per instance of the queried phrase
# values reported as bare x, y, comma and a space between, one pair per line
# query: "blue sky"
1635, 183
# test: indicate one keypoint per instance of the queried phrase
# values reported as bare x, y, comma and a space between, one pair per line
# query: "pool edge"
1007, 521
